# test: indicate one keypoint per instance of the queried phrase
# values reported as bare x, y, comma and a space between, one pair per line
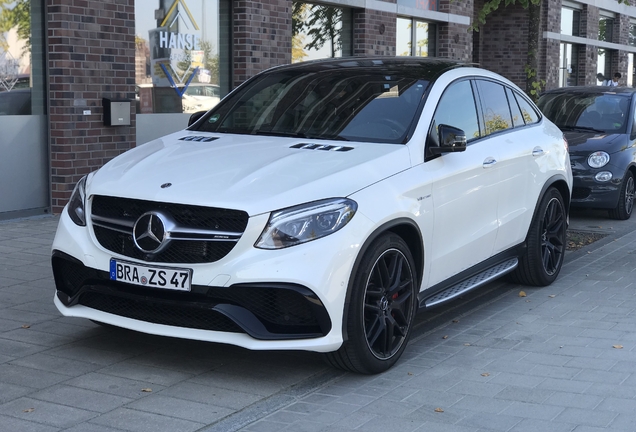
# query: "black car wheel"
625, 204
382, 308
543, 259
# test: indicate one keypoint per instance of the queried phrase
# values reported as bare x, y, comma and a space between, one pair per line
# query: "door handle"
489, 161
537, 151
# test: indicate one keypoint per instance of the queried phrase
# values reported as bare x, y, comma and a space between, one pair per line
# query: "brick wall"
455, 42
374, 32
504, 43
91, 47
262, 36
549, 49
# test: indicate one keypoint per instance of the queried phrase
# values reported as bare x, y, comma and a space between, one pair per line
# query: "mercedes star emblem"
149, 232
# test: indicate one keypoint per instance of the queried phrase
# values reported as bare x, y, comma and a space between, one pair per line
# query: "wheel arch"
560, 183
406, 229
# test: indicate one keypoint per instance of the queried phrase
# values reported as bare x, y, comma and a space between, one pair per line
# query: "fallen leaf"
28, 410
409, 373
522, 294
439, 410
485, 374
466, 344
445, 337
617, 346
25, 326
552, 296
455, 321
146, 390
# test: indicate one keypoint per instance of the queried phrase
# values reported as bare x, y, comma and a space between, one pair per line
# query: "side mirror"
451, 139
194, 117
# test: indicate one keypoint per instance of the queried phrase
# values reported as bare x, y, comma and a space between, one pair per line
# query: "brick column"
504, 43
454, 40
588, 54
549, 49
374, 32
621, 36
91, 47
262, 36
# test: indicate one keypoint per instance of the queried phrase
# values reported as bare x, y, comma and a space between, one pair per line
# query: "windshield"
349, 105
606, 113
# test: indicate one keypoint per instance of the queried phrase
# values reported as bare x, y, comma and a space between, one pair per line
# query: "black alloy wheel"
542, 262
388, 304
552, 241
381, 310
623, 210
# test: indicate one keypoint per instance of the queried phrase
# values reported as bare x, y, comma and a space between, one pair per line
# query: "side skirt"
471, 279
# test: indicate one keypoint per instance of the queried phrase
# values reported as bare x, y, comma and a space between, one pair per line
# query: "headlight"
76, 203
303, 223
603, 176
598, 159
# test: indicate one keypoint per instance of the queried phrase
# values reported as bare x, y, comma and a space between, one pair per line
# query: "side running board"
471, 283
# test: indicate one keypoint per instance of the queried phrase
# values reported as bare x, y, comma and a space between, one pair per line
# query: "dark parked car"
599, 125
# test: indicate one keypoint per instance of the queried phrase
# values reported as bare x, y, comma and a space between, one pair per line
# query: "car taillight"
565, 144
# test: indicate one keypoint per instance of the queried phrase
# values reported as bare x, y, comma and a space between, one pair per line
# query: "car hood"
588, 142
257, 174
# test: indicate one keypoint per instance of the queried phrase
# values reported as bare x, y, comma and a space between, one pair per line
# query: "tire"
623, 210
382, 308
542, 262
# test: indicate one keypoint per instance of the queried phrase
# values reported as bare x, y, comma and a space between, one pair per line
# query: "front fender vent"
321, 147
198, 138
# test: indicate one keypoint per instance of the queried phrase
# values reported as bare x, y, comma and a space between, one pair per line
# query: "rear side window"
529, 113
517, 117
494, 103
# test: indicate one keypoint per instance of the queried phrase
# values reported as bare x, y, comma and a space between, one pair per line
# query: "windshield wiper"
280, 133
580, 128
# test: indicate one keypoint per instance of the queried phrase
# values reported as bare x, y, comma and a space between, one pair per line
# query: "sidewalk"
560, 359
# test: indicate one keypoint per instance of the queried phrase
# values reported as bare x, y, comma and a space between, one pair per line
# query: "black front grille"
187, 216
172, 314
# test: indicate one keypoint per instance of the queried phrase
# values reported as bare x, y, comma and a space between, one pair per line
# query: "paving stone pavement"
562, 358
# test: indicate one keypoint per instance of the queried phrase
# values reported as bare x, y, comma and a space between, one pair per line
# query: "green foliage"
492, 5
535, 85
15, 14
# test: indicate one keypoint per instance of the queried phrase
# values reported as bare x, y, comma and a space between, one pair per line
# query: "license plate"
179, 279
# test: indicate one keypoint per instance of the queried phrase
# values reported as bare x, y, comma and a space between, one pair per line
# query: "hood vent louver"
321, 147
198, 138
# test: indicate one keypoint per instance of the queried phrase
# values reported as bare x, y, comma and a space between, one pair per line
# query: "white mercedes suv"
318, 207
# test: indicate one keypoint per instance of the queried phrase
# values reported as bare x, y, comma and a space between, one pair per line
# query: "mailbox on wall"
116, 112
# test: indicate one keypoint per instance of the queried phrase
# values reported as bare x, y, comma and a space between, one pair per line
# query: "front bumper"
288, 299
263, 311
589, 192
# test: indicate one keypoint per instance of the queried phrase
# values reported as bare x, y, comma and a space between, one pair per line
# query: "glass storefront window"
16, 83
423, 33
570, 20
630, 70
632, 34
602, 67
568, 61
177, 59
320, 31
605, 29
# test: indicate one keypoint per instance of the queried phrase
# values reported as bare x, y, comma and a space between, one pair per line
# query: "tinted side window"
495, 106
530, 115
517, 117
457, 108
